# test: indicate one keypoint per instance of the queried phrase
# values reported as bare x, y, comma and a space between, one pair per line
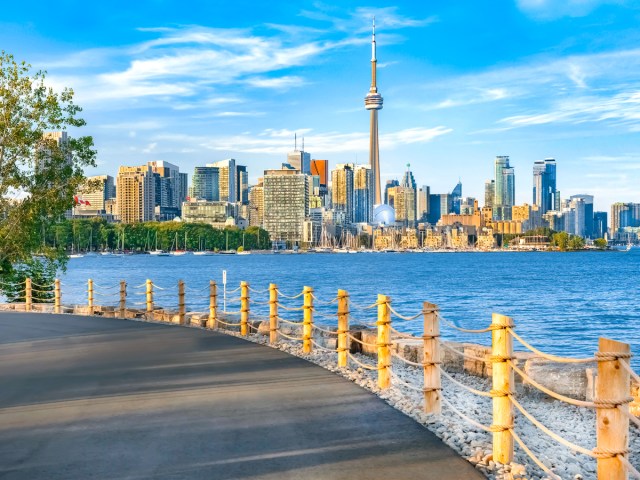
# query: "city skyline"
192, 92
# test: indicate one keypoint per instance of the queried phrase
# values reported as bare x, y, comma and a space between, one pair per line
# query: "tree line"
81, 235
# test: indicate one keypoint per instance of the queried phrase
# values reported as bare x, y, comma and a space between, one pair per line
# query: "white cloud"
553, 9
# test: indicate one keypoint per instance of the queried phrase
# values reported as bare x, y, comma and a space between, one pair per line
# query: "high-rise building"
92, 197
299, 159
545, 194
624, 215
423, 203
321, 169
205, 184
242, 181
456, 196
389, 191
342, 190
468, 206
286, 204
583, 205
256, 204
600, 224
227, 183
136, 194
405, 201
373, 103
489, 193
505, 189
170, 189
362, 194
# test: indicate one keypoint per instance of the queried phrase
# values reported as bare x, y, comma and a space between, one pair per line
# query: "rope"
548, 356
326, 315
255, 302
290, 309
235, 299
466, 387
322, 347
469, 330
535, 459
258, 292
51, 285
233, 312
630, 468
464, 417
555, 436
141, 285
295, 339
229, 324
409, 362
611, 356
402, 317
362, 307
324, 302
290, 322
633, 374
329, 332
290, 297
361, 342
403, 335
363, 365
631, 416
405, 384
465, 355
104, 287
551, 393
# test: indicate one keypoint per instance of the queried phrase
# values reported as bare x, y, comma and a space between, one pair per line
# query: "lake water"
560, 302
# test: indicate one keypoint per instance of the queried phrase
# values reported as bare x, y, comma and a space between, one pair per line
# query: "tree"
39, 171
560, 240
576, 242
600, 243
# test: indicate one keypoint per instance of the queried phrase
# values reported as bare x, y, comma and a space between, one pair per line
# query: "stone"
565, 379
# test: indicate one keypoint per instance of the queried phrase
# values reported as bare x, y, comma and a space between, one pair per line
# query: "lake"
560, 302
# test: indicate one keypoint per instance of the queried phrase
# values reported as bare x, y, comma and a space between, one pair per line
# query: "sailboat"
158, 252
226, 251
243, 252
202, 251
177, 252
73, 253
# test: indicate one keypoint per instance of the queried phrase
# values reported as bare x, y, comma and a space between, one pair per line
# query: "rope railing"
378, 356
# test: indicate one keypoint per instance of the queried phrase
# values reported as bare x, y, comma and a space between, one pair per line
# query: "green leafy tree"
39, 171
560, 240
600, 243
576, 243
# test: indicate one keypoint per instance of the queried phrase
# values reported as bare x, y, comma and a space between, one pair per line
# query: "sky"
194, 82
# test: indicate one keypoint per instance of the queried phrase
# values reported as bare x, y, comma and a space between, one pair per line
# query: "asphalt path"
101, 398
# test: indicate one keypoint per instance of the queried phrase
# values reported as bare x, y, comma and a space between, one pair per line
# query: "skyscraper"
362, 198
456, 196
242, 182
135, 194
489, 193
423, 202
205, 184
544, 185
342, 190
227, 179
286, 204
505, 189
373, 102
299, 159
583, 204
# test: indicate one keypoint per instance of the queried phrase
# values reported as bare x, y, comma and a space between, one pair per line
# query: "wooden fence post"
503, 385
149, 285
307, 320
384, 341
56, 296
123, 299
343, 327
90, 296
431, 359
28, 298
181, 305
612, 389
213, 305
273, 313
244, 308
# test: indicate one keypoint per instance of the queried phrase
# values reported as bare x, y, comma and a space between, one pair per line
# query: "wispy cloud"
553, 9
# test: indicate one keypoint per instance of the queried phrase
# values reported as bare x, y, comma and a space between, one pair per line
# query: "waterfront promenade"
91, 397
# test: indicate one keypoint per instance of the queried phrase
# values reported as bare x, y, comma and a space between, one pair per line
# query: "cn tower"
373, 102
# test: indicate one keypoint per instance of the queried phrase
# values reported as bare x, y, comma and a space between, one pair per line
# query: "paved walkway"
90, 397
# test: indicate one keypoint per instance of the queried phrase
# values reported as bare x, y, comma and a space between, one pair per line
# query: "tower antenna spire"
373, 103
295, 141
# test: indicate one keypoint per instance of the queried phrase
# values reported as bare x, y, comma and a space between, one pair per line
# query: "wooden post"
307, 321
90, 296
384, 341
181, 305
343, 328
213, 305
612, 424
503, 383
28, 298
123, 298
273, 313
56, 296
431, 359
149, 284
244, 308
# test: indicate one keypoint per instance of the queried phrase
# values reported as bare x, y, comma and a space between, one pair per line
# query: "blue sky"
198, 81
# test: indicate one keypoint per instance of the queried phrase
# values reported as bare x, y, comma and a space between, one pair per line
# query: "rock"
264, 328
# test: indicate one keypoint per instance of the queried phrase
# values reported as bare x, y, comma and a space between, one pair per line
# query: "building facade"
505, 190
545, 194
286, 204
205, 184
136, 194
